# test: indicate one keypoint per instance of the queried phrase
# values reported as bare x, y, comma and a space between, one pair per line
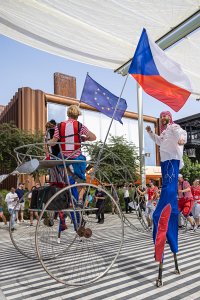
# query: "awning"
102, 33
153, 172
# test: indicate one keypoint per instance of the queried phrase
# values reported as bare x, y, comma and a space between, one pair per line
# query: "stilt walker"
165, 218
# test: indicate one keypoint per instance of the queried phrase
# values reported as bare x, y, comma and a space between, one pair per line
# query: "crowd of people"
16, 197
188, 197
189, 201
146, 199
15, 200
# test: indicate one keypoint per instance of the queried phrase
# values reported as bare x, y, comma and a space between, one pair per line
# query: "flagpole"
116, 107
141, 135
101, 150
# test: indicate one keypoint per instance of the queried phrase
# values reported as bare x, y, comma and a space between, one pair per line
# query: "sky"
24, 66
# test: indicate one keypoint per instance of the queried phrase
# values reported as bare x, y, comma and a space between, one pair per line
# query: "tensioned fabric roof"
102, 33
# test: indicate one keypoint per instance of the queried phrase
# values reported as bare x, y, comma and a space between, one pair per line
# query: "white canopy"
102, 33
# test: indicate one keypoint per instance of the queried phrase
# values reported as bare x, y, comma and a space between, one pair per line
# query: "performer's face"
165, 119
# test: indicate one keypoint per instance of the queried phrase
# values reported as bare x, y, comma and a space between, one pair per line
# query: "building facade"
192, 125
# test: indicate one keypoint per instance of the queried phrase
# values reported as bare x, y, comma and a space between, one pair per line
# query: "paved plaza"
132, 276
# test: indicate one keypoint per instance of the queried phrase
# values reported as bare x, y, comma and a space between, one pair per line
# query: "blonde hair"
73, 111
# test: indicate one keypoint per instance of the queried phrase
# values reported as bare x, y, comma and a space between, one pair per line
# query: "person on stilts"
165, 218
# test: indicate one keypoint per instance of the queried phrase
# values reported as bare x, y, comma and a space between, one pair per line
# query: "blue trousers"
165, 217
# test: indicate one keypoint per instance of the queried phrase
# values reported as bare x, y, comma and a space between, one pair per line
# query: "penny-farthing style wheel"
22, 235
87, 248
73, 247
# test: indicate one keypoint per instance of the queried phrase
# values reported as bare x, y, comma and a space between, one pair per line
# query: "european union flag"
104, 101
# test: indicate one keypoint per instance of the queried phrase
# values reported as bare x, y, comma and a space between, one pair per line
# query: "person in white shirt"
165, 218
11, 199
126, 198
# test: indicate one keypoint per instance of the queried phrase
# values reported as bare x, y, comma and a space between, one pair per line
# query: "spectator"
100, 204
11, 199
196, 196
152, 192
126, 198
50, 129
185, 200
1, 210
133, 197
20, 208
141, 191
115, 196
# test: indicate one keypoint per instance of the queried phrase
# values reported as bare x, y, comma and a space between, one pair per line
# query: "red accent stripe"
161, 232
76, 136
62, 133
166, 92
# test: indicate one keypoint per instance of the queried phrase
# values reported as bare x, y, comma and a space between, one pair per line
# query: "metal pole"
103, 145
108, 131
141, 135
116, 107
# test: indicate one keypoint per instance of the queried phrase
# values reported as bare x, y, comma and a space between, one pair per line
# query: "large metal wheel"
87, 253
139, 210
23, 235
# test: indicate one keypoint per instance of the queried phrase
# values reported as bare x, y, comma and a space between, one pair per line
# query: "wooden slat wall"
27, 110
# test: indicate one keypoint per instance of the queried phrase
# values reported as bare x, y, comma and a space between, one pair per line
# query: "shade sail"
187, 54
102, 33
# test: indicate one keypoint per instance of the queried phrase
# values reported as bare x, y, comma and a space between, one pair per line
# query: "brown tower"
64, 85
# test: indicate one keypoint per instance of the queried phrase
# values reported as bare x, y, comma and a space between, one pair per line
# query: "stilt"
159, 280
177, 270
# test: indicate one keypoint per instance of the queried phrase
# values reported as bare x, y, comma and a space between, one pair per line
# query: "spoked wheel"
87, 249
139, 209
22, 235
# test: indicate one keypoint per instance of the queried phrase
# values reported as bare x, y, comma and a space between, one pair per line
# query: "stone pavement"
132, 276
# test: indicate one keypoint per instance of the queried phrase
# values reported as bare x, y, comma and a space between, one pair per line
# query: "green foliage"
121, 198
10, 138
4, 206
119, 160
190, 170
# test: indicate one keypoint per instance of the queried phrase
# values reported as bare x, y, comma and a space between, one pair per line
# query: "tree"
119, 160
190, 170
186, 171
10, 138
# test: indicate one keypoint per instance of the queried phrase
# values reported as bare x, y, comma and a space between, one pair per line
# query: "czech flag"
158, 75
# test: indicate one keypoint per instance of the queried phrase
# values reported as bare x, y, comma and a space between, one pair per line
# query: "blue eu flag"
104, 101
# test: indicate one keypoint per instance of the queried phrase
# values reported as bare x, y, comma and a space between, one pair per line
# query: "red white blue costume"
165, 217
